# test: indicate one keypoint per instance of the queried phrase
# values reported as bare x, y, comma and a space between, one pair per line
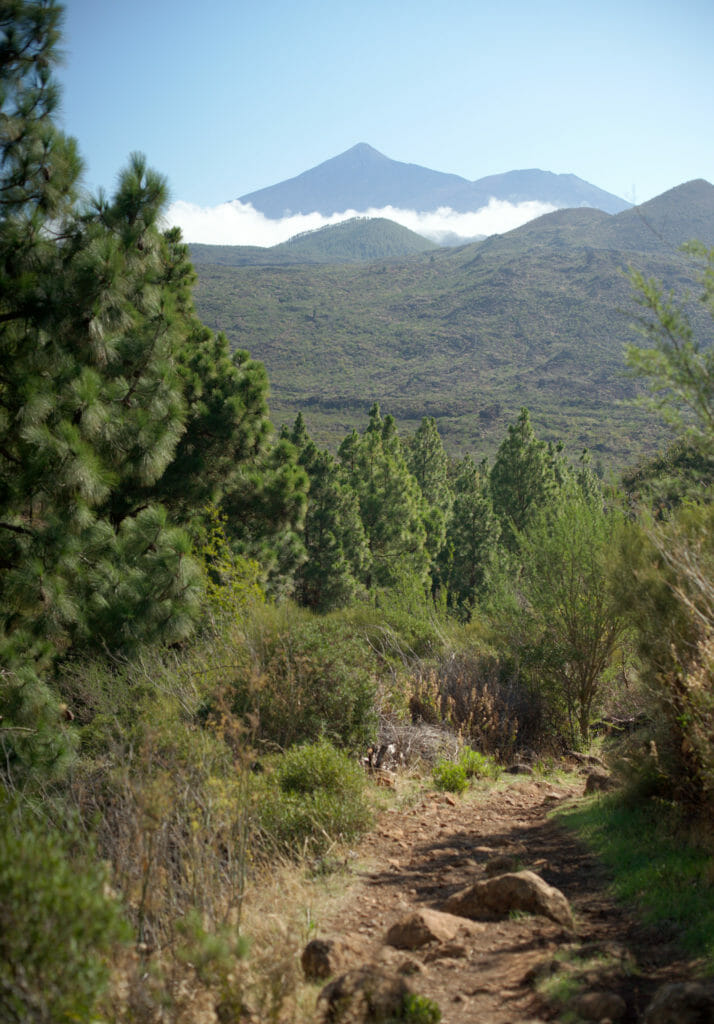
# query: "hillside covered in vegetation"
538, 317
358, 240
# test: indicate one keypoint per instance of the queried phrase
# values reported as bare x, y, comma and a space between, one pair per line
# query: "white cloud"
239, 223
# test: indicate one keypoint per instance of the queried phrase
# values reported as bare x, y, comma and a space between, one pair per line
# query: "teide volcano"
362, 179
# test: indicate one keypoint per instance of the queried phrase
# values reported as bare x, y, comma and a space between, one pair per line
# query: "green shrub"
304, 677
56, 923
318, 766
421, 1010
315, 795
665, 581
477, 765
450, 777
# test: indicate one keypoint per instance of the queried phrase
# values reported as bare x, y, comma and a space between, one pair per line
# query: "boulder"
520, 891
599, 781
322, 958
366, 995
588, 760
422, 927
684, 1002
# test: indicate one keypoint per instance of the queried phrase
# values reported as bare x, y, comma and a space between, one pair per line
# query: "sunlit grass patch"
654, 865
572, 971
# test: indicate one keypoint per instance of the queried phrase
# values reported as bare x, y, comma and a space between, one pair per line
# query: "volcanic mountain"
363, 178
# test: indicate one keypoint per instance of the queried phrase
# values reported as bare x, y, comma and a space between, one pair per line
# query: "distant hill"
537, 317
359, 240
363, 178
660, 225
679, 215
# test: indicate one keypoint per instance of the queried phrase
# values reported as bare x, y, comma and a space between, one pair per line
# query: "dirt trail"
420, 856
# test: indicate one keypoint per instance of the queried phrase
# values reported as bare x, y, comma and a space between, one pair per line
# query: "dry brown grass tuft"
261, 980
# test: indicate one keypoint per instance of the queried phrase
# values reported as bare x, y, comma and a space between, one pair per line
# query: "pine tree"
93, 410
390, 503
226, 424
429, 465
472, 538
119, 412
265, 510
524, 478
335, 544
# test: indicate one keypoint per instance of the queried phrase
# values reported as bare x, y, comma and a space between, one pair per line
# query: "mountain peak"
682, 213
365, 149
362, 179
361, 154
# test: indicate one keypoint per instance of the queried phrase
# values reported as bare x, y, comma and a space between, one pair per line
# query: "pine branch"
17, 529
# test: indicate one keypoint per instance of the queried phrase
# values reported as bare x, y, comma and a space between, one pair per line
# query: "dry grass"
260, 980
489, 706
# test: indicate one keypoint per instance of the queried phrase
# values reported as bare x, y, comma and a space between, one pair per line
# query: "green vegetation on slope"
358, 240
458, 335
653, 867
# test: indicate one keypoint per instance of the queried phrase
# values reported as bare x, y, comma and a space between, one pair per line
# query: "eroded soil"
418, 857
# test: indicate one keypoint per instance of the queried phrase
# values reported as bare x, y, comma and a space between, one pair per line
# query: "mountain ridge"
362, 178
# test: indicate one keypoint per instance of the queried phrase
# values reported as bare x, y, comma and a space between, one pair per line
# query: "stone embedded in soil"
521, 891
321, 958
600, 1006
411, 966
422, 927
685, 1002
599, 781
362, 996
501, 865
447, 951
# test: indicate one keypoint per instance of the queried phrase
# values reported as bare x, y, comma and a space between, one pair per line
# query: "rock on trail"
476, 904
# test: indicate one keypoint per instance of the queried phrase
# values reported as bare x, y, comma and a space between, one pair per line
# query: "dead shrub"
487, 703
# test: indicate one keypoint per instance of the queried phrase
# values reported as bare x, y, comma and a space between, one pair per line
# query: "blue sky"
228, 96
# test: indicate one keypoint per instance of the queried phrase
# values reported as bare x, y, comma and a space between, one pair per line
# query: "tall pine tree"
391, 507
472, 538
429, 465
335, 543
119, 412
524, 478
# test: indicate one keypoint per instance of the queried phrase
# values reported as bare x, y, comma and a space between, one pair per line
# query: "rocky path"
494, 971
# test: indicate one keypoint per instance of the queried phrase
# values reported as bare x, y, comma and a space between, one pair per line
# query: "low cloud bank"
239, 223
